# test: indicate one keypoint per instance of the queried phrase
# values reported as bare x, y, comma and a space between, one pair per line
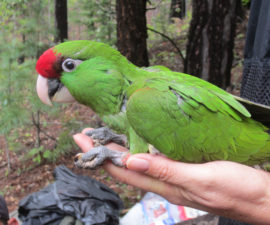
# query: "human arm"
223, 188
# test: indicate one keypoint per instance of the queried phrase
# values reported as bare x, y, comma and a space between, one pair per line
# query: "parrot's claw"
104, 135
96, 157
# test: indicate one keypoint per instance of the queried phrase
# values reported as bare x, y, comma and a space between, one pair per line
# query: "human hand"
221, 187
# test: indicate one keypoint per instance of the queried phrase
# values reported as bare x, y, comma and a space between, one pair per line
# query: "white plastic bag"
155, 210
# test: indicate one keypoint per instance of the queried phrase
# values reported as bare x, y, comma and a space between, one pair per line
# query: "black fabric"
226, 221
256, 74
4, 216
78, 196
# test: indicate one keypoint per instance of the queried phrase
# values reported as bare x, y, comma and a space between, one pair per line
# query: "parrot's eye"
70, 64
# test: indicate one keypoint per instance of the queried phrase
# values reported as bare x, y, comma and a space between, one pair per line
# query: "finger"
162, 168
83, 141
146, 182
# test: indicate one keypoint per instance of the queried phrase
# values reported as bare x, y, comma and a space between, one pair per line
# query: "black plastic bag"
82, 197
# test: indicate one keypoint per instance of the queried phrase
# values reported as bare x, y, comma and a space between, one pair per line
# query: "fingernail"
137, 164
75, 136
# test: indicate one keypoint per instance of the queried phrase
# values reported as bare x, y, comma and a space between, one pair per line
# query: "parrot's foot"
96, 157
104, 135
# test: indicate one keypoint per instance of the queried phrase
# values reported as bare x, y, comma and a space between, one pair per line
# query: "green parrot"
158, 110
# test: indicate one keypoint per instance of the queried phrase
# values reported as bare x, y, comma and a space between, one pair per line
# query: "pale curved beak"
43, 90
61, 94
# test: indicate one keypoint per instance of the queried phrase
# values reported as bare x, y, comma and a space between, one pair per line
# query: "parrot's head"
84, 71
57, 64
50, 67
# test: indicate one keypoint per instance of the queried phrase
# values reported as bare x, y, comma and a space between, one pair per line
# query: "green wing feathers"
184, 117
195, 122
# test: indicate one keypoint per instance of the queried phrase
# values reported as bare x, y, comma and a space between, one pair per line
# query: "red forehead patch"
45, 64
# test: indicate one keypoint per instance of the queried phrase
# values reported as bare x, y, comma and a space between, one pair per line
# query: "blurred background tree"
131, 30
211, 40
61, 20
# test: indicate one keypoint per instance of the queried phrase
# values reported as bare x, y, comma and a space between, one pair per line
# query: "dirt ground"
25, 177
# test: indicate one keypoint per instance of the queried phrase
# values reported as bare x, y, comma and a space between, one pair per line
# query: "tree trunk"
132, 31
61, 22
211, 40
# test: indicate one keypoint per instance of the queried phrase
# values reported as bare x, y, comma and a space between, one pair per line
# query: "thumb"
159, 167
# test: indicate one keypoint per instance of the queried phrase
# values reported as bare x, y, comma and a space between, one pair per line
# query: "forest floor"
24, 179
